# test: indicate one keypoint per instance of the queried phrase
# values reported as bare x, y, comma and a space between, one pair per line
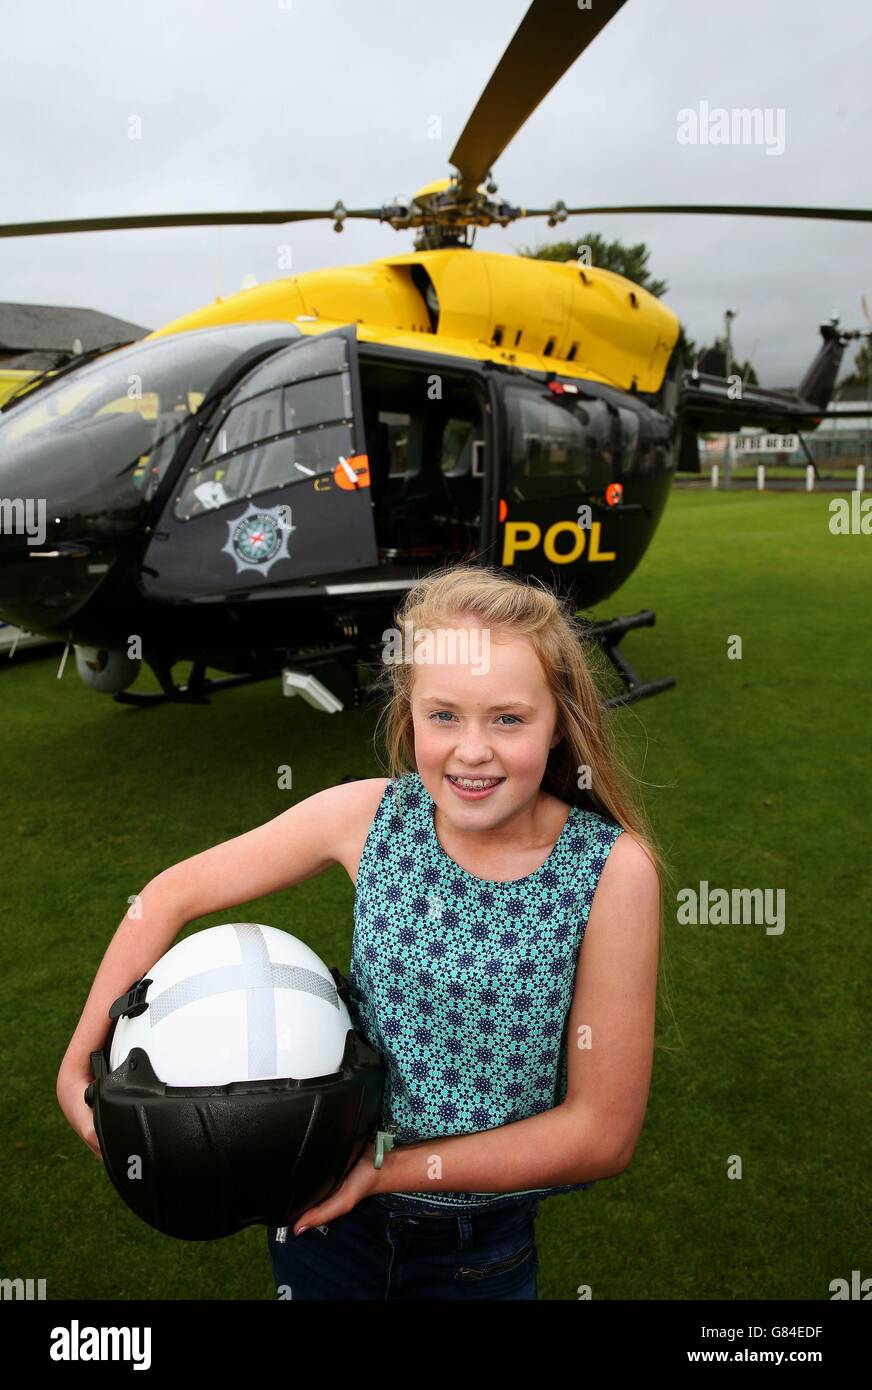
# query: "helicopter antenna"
219, 267
729, 315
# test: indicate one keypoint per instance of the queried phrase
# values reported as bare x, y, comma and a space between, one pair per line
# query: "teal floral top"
462, 984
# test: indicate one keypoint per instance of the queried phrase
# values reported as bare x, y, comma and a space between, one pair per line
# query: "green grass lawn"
756, 775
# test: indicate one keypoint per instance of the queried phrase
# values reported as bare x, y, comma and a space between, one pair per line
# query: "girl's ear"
558, 735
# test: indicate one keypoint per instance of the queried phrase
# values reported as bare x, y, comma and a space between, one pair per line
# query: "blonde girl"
504, 957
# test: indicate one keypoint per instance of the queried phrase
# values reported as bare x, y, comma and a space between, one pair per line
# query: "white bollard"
715, 473
809, 478
861, 477
761, 476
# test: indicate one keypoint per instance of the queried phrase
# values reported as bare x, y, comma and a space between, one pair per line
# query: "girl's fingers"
315, 1216
324, 1212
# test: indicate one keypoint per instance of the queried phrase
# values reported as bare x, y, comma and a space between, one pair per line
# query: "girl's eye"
436, 716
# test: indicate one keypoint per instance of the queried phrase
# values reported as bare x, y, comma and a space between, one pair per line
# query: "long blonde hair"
569, 658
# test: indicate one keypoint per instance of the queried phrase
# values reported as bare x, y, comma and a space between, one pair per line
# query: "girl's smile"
474, 788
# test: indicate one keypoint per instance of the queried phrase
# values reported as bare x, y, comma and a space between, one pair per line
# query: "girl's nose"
473, 748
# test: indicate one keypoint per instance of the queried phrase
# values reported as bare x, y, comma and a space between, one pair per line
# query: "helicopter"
254, 486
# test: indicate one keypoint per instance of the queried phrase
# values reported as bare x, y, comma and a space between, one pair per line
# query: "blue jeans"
398, 1248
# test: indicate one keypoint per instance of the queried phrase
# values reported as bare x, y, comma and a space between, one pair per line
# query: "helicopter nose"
66, 505
43, 579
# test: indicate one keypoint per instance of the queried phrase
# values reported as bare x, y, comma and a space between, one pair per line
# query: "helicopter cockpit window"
557, 449
267, 441
123, 414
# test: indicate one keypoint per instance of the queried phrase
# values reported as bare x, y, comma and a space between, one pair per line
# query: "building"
33, 336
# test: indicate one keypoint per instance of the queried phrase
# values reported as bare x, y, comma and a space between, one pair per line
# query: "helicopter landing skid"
608, 634
196, 692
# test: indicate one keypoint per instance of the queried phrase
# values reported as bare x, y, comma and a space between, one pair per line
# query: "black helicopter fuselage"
233, 495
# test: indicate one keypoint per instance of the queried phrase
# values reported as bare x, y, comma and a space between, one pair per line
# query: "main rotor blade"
719, 209
174, 219
549, 38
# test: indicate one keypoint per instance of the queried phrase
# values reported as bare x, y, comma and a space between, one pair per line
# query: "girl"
518, 1061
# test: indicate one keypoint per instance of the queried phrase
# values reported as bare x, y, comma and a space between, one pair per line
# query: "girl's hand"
71, 1098
361, 1182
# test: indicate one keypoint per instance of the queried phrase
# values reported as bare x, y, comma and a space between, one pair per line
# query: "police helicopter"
253, 487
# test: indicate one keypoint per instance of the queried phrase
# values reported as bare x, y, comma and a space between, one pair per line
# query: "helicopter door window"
557, 449
457, 448
546, 446
246, 423
316, 401
599, 444
267, 441
296, 457
317, 358
629, 438
397, 424
276, 412
264, 467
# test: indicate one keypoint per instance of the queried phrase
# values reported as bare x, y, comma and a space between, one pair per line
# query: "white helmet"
233, 1087
240, 1002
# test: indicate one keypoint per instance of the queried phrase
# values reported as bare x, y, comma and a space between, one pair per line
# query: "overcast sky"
295, 103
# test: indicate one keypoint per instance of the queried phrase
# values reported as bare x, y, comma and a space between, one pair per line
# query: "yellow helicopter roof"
579, 321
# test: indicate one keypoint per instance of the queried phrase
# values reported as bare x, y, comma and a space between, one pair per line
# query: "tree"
630, 261
746, 372
718, 365
862, 366
689, 349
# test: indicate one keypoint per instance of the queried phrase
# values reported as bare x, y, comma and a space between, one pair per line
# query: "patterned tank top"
462, 984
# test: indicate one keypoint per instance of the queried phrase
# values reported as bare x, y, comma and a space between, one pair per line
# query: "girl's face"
489, 718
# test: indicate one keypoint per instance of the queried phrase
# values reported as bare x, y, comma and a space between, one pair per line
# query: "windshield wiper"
36, 383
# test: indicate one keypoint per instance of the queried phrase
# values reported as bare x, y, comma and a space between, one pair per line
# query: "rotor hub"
443, 212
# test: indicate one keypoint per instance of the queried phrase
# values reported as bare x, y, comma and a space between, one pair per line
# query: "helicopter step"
608, 634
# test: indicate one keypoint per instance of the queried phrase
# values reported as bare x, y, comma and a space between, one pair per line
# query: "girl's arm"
610, 1043
301, 842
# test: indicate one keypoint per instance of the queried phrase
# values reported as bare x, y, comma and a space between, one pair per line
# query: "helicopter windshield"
120, 417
